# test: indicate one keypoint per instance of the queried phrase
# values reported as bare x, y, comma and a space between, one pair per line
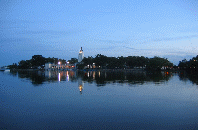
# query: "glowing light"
80, 88
59, 77
94, 75
67, 76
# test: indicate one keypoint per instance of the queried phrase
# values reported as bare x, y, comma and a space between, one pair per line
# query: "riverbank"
105, 70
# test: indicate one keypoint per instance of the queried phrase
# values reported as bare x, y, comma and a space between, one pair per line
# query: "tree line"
99, 61
104, 62
191, 64
39, 61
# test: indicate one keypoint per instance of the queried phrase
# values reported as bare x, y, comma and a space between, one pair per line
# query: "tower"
80, 55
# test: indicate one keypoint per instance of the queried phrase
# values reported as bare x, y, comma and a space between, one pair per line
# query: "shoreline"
86, 70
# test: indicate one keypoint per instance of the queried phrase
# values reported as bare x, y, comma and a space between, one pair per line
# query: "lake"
98, 100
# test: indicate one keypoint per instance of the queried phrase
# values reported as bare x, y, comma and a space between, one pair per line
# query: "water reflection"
185, 76
101, 78
35, 77
39, 77
168, 106
104, 77
80, 85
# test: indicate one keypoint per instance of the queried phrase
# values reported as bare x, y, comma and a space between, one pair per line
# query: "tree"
156, 63
142, 61
62, 61
183, 64
191, 64
13, 66
112, 63
73, 60
131, 61
24, 64
121, 62
51, 60
101, 60
37, 60
88, 61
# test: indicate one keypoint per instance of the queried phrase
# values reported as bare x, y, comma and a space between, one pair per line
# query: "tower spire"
80, 55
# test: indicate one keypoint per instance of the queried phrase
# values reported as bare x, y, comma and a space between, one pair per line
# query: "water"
98, 100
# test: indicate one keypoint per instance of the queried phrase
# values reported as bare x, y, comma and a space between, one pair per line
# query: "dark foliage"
192, 64
104, 62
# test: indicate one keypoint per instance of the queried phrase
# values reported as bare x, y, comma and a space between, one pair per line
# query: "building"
62, 64
80, 55
52, 66
49, 65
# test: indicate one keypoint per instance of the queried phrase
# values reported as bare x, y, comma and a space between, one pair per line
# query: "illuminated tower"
80, 55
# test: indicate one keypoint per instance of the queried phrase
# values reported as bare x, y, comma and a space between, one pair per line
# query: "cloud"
126, 44
110, 41
12, 41
174, 38
109, 48
152, 39
47, 50
16, 27
52, 32
129, 48
108, 45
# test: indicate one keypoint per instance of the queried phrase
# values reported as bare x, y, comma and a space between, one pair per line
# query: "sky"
164, 28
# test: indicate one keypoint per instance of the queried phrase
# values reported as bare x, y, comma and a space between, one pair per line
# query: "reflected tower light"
67, 76
59, 77
80, 88
94, 73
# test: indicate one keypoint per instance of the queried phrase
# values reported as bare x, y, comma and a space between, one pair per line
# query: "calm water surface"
98, 100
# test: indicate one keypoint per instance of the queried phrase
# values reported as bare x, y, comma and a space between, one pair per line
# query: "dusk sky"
165, 28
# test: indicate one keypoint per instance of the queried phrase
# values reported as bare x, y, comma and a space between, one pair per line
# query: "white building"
48, 65
80, 55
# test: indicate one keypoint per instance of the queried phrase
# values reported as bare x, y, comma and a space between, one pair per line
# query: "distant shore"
112, 70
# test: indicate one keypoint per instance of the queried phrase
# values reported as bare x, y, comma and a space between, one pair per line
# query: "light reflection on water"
103, 77
98, 100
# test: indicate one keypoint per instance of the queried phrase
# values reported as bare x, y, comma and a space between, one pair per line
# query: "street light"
59, 63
